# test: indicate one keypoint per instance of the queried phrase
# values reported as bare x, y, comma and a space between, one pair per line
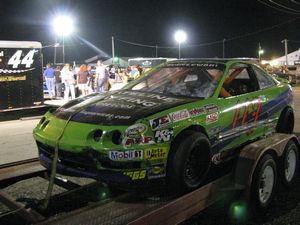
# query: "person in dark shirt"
82, 79
58, 83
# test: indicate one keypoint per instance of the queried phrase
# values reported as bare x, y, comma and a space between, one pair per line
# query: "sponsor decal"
140, 140
126, 155
136, 175
159, 122
155, 153
137, 101
151, 96
116, 105
180, 115
163, 135
211, 118
197, 111
211, 108
12, 78
205, 65
108, 116
136, 130
157, 171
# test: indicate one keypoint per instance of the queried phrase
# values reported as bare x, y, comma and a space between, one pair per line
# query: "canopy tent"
293, 59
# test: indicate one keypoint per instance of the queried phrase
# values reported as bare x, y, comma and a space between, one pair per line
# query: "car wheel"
264, 183
290, 163
286, 121
189, 161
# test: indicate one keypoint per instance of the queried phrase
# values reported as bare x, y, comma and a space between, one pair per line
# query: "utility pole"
286, 51
156, 51
113, 49
224, 48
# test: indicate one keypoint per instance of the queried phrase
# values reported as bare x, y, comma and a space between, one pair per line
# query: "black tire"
290, 162
189, 162
264, 183
286, 121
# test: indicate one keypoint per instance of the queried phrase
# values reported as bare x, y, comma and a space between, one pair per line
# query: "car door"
239, 113
268, 90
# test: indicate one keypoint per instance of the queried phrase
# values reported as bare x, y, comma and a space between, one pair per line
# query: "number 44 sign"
16, 60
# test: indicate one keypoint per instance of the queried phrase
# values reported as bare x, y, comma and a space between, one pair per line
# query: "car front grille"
88, 159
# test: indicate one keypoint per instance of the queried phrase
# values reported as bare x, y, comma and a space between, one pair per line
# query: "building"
293, 59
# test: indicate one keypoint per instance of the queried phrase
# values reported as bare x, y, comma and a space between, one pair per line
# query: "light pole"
63, 26
55, 46
260, 52
180, 37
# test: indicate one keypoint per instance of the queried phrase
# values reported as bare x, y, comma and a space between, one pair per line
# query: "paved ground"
17, 143
16, 140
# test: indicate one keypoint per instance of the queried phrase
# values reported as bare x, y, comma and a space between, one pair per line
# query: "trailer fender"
251, 154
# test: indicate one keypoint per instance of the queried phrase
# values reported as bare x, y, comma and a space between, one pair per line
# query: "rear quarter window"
264, 80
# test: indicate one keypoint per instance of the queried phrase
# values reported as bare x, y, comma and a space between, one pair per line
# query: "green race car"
174, 123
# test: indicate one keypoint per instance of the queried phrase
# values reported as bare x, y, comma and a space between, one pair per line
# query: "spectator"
134, 72
112, 75
119, 76
90, 82
58, 84
101, 76
68, 80
50, 80
82, 79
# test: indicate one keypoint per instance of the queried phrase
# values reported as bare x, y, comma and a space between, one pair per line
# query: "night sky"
242, 23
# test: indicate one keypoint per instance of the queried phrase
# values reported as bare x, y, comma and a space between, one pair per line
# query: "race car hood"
118, 108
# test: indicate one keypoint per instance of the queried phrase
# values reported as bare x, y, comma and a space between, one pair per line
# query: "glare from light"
261, 51
63, 25
264, 62
238, 211
274, 63
180, 36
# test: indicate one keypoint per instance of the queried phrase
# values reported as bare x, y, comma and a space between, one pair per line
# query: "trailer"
255, 174
21, 75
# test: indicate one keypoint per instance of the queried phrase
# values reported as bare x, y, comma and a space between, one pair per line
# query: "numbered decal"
16, 60
255, 106
136, 175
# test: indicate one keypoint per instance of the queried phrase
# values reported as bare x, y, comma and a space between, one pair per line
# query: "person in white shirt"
68, 80
101, 76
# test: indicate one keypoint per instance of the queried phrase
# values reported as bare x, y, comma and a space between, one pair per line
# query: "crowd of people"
67, 84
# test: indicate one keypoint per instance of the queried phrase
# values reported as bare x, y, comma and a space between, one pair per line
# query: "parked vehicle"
173, 124
21, 79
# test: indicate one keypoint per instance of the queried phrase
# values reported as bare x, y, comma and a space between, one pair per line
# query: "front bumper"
103, 175
88, 164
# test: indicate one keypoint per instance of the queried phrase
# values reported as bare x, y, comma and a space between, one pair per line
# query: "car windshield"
183, 80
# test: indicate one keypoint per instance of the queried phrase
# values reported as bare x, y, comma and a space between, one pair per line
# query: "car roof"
217, 60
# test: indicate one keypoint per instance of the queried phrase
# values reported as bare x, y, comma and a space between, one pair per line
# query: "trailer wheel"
286, 121
290, 163
189, 161
264, 183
